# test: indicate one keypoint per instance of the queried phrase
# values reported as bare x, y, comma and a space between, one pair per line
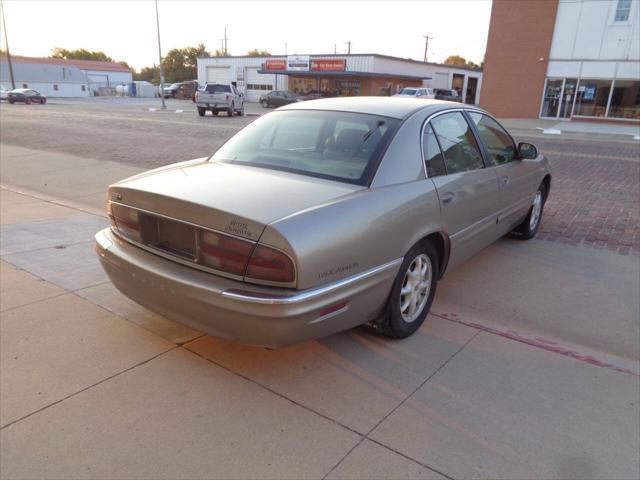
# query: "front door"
517, 178
468, 192
551, 100
568, 96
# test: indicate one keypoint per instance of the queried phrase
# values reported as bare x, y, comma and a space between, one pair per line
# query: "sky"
126, 30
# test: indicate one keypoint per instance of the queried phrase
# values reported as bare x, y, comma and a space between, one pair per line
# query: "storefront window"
592, 98
625, 100
349, 88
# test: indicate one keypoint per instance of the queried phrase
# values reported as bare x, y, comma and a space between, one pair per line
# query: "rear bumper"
238, 311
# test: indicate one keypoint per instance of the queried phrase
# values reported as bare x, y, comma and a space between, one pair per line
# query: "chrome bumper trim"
254, 297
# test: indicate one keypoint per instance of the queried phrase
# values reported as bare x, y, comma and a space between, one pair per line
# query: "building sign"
275, 64
298, 63
329, 65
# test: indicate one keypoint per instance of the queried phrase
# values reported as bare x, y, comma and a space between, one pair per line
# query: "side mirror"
527, 151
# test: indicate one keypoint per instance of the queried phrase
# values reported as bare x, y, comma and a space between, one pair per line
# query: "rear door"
468, 192
518, 179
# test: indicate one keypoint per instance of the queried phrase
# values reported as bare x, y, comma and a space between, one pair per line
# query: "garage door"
258, 84
441, 80
219, 75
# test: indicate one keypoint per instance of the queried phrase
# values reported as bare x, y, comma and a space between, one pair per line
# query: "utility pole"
226, 52
348, 47
426, 45
6, 42
164, 107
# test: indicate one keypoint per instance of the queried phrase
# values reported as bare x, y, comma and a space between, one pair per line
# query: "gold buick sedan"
321, 216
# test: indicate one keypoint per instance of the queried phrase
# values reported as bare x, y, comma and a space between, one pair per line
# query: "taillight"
269, 264
224, 253
227, 97
126, 220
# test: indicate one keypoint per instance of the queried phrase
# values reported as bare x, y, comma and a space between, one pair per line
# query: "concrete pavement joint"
62, 246
537, 342
53, 200
87, 388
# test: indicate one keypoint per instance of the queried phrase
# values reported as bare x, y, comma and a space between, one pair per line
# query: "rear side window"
432, 155
459, 146
496, 139
218, 88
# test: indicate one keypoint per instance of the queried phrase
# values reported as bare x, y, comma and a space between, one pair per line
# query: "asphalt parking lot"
528, 366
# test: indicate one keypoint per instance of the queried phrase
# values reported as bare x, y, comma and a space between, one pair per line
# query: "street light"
164, 107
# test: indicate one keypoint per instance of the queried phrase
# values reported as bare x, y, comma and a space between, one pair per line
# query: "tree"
181, 64
80, 54
258, 53
148, 74
460, 61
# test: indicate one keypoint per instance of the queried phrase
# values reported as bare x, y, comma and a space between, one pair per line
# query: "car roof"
395, 107
21, 89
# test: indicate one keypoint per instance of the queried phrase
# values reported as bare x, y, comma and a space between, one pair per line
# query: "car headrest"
349, 139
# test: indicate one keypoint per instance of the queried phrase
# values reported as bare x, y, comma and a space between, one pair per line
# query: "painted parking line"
542, 343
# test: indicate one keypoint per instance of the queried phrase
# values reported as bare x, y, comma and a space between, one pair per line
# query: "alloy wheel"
416, 286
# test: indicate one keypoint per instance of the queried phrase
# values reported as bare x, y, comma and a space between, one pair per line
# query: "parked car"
416, 92
4, 93
315, 94
26, 95
321, 216
218, 97
278, 98
171, 91
446, 94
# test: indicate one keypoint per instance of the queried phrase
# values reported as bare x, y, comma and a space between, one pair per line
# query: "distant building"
56, 77
345, 75
564, 59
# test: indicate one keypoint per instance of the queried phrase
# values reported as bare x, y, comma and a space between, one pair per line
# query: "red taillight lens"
126, 220
224, 253
270, 264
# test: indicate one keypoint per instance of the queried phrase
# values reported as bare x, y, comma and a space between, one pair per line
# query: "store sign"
329, 65
298, 63
275, 64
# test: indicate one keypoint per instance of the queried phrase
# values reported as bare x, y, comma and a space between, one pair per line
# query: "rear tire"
28, 101
12, 102
230, 110
201, 111
531, 224
264, 104
241, 111
412, 293
43, 101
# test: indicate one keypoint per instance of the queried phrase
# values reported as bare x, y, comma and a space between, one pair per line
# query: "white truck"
218, 97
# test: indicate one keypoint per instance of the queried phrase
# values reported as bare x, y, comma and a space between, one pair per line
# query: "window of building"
432, 154
623, 10
55, 87
625, 100
461, 152
498, 142
592, 98
255, 86
24, 85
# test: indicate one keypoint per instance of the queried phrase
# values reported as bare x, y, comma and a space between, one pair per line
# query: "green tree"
80, 54
181, 64
460, 62
258, 53
148, 74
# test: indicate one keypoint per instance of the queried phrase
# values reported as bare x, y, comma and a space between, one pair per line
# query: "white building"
594, 62
564, 59
56, 77
358, 74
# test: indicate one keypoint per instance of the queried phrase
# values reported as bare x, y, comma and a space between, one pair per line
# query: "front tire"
28, 101
412, 293
264, 104
531, 224
230, 110
201, 111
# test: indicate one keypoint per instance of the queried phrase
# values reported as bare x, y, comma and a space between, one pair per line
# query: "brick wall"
520, 35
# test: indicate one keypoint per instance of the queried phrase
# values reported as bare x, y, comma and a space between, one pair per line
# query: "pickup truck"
218, 97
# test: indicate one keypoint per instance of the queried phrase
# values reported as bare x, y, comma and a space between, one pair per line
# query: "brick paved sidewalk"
595, 196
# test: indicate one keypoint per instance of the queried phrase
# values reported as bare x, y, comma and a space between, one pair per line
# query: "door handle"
504, 181
448, 197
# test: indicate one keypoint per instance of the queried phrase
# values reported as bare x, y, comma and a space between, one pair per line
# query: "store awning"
314, 74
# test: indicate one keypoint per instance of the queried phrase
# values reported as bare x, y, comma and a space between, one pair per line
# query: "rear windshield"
408, 91
334, 145
218, 89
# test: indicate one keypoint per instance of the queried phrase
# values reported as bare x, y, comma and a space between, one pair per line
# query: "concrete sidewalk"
93, 386
573, 130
